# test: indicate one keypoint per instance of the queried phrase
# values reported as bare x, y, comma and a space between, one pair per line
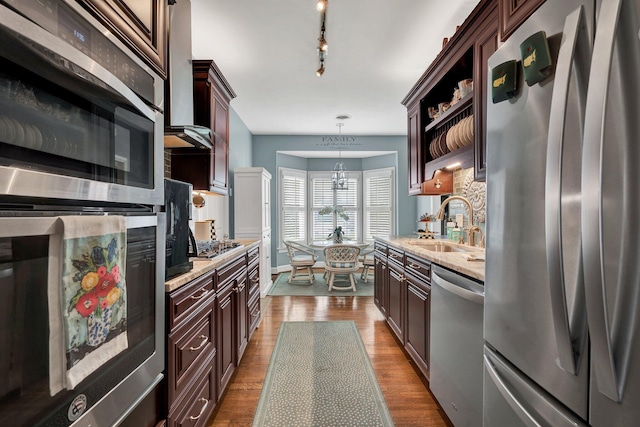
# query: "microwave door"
69, 127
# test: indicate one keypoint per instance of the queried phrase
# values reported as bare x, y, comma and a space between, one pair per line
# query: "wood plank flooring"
408, 399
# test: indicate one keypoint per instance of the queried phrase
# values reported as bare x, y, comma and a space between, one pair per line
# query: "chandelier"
339, 176
321, 5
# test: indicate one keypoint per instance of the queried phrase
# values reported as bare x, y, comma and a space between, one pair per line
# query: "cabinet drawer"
396, 256
254, 280
198, 404
189, 345
254, 309
380, 247
182, 301
229, 271
418, 268
253, 256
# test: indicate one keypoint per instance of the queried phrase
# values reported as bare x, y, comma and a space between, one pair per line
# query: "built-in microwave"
80, 115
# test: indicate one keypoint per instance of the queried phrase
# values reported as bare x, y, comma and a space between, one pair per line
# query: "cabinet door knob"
204, 408
205, 339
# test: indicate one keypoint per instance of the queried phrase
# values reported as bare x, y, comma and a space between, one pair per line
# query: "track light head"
320, 71
321, 5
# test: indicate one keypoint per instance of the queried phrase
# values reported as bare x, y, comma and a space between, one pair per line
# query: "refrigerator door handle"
530, 403
574, 49
592, 219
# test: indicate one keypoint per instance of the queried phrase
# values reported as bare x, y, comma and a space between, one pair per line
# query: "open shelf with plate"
442, 134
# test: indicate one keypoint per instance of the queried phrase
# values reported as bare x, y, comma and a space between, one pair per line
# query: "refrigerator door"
519, 321
611, 209
517, 401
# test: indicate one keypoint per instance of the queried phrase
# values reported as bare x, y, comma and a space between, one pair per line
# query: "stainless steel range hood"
181, 132
188, 136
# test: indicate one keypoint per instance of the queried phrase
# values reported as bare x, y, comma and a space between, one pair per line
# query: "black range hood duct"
181, 132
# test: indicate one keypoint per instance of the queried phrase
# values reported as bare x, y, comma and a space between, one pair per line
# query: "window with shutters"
345, 206
310, 209
293, 205
378, 203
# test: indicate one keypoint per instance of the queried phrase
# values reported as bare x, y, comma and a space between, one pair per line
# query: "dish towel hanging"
87, 297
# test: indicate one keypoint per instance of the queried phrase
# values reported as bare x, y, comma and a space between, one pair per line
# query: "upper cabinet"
140, 24
446, 106
207, 170
513, 13
211, 96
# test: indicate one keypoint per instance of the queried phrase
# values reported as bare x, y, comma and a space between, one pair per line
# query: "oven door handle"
63, 56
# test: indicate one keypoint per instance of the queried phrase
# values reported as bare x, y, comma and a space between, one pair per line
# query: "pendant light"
339, 176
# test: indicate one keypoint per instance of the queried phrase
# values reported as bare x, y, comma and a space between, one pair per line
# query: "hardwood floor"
407, 397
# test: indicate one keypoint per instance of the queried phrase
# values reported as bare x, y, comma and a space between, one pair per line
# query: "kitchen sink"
443, 247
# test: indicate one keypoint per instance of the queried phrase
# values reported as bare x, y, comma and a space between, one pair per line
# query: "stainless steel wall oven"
81, 136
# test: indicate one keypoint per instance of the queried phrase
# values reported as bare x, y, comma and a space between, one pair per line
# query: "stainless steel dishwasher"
457, 305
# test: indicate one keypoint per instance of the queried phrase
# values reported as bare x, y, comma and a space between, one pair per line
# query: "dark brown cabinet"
485, 45
416, 159
513, 13
418, 311
209, 323
191, 353
463, 57
140, 24
396, 293
402, 293
381, 277
228, 278
207, 170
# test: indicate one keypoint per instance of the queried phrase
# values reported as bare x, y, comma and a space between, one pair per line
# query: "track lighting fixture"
321, 5
323, 46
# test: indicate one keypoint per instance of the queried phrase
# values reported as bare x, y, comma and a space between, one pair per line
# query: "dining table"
321, 244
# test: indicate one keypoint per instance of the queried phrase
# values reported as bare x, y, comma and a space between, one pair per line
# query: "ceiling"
377, 51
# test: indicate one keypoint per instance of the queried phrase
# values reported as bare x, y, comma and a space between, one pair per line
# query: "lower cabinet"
402, 293
381, 277
209, 323
395, 308
418, 308
195, 408
231, 281
191, 353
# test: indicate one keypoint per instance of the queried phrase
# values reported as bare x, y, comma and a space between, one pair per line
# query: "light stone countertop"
457, 261
202, 266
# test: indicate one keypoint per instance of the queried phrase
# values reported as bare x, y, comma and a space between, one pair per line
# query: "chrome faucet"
440, 216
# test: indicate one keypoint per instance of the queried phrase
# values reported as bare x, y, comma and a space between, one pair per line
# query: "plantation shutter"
293, 191
378, 206
321, 196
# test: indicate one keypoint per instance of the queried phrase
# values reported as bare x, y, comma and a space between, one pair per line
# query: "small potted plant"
337, 234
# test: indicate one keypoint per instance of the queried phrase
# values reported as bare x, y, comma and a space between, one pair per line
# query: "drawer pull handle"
204, 408
256, 312
256, 280
412, 265
393, 256
203, 292
205, 339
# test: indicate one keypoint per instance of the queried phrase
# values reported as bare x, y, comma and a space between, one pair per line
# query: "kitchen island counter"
457, 261
203, 266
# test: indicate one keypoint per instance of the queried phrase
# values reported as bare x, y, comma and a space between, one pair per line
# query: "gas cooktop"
208, 249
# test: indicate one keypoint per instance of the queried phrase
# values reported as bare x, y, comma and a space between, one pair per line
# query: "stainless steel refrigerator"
562, 286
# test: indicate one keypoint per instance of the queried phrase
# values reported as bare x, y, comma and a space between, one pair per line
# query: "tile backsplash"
474, 191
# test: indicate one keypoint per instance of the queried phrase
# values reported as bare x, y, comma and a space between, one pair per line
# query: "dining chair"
368, 264
341, 260
300, 257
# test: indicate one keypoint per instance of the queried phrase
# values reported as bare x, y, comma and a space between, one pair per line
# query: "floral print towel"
91, 296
